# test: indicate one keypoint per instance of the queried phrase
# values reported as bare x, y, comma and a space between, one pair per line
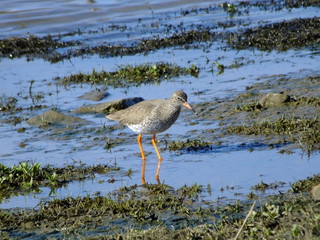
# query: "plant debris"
304, 131
30, 177
281, 36
189, 145
129, 75
161, 213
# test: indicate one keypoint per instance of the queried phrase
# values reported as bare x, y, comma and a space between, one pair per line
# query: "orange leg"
139, 140
159, 156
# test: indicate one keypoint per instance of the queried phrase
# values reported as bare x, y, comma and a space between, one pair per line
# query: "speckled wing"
135, 114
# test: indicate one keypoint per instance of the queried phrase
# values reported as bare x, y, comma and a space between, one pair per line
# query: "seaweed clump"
29, 177
306, 184
32, 46
304, 131
155, 212
282, 36
148, 45
189, 145
305, 3
128, 76
8, 104
46, 47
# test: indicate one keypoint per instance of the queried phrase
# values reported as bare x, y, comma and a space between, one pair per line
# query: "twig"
245, 220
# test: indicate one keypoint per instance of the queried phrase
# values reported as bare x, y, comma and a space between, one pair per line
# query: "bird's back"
136, 113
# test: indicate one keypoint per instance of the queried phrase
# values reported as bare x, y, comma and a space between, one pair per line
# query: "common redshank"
151, 117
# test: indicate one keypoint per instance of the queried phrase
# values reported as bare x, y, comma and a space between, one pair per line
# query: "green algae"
10, 107
306, 184
148, 45
32, 46
290, 125
127, 76
281, 36
262, 186
46, 47
248, 107
270, 222
8, 104
189, 145
159, 212
295, 33
295, 3
28, 177
281, 126
315, 101
277, 218
149, 205
304, 131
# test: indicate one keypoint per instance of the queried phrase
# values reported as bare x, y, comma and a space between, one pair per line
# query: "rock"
53, 117
315, 192
27, 225
274, 100
108, 107
94, 95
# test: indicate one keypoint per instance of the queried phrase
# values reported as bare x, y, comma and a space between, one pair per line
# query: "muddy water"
37, 17
230, 169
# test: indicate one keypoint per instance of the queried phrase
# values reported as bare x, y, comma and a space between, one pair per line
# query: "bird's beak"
188, 106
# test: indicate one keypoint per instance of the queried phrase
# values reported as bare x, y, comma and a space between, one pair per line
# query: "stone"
274, 100
315, 192
94, 95
53, 117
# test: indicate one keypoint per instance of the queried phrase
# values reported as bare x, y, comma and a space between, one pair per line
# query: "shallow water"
229, 166
60, 16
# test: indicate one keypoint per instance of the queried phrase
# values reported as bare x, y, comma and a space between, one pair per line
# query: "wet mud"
27, 178
281, 36
294, 120
158, 211
296, 33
